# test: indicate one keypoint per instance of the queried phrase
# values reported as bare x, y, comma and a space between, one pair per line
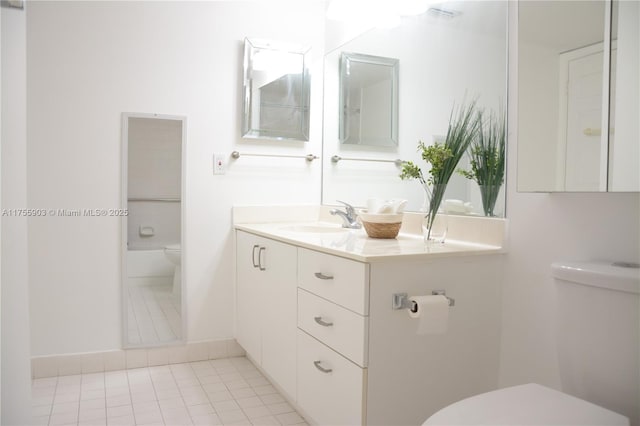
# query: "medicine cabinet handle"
322, 276
319, 367
253, 256
260, 265
322, 323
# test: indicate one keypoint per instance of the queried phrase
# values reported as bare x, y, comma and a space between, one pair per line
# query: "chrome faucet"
348, 216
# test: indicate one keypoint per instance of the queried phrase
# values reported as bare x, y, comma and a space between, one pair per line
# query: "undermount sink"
315, 229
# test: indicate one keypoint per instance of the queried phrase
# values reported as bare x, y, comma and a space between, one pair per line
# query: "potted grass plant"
464, 123
487, 158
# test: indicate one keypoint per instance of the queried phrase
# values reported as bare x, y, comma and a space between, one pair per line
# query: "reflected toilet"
173, 252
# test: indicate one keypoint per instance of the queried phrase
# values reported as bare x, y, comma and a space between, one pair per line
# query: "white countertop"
356, 245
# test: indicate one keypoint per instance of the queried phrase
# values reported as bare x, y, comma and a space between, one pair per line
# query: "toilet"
173, 253
597, 302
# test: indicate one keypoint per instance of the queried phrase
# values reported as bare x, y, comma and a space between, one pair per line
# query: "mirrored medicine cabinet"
578, 75
276, 91
368, 100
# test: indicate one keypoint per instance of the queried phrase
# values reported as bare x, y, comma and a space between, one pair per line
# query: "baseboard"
96, 362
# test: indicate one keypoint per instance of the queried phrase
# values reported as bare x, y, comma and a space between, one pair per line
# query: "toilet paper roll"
432, 313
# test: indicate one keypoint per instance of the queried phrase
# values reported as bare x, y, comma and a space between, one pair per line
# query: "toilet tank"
598, 334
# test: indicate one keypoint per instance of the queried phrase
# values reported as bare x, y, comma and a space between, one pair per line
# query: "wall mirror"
451, 52
368, 100
153, 148
577, 77
276, 91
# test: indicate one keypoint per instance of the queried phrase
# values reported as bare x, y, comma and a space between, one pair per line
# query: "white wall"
544, 228
538, 120
16, 367
87, 63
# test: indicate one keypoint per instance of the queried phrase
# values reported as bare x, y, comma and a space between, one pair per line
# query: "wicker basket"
382, 230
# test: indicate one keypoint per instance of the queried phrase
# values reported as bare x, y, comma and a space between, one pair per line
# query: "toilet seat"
529, 404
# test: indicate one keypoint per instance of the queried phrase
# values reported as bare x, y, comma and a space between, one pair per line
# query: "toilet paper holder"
401, 300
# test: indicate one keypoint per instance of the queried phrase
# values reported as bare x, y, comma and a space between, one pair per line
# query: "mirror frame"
345, 59
251, 48
124, 164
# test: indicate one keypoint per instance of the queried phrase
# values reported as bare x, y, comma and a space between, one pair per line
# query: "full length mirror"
575, 82
152, 187
448, 55
368, 100
276, 91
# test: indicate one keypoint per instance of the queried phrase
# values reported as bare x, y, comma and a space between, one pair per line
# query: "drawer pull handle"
322, 276
260, 265
253, 256
319, 367
322, 323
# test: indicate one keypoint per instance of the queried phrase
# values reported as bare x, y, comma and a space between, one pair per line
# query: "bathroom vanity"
314, 312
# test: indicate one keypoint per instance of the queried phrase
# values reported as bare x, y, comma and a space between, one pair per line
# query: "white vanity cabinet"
266, 306
323, 327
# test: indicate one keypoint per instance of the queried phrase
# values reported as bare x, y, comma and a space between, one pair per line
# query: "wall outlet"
219, 164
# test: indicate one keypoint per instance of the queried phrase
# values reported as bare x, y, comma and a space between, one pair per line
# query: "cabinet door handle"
260, 265
322, 323
253, 256
322, 276
319, 367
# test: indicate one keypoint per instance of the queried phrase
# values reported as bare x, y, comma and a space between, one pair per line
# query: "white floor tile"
290, 418
280, 408
232, 416
257, 412
206, 419
265, 421
223, 391
120, 411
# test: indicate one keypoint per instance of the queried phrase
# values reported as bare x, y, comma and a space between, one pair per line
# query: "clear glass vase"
489, 194
434, 223
436, 232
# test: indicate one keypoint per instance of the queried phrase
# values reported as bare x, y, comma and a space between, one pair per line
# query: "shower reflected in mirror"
152, 188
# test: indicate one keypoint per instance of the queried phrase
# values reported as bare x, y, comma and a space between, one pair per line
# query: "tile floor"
153, 311
227, 391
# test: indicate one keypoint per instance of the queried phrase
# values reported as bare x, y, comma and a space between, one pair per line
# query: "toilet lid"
529, 404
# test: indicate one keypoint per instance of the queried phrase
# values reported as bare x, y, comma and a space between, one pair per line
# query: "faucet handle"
349, 208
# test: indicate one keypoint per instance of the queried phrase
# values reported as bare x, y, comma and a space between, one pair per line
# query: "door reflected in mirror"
368, 100
152, 254
276, 91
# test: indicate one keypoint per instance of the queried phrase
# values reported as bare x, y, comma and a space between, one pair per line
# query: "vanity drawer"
333, 396
343, 281
337, 327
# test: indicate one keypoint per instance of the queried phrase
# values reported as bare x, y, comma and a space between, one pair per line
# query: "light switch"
219, 164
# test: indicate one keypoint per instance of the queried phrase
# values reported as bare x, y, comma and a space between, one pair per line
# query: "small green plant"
435, 155
487, 158
464, 123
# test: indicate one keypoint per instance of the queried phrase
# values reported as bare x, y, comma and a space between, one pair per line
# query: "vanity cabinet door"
248, 295
279, 317
266, 306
